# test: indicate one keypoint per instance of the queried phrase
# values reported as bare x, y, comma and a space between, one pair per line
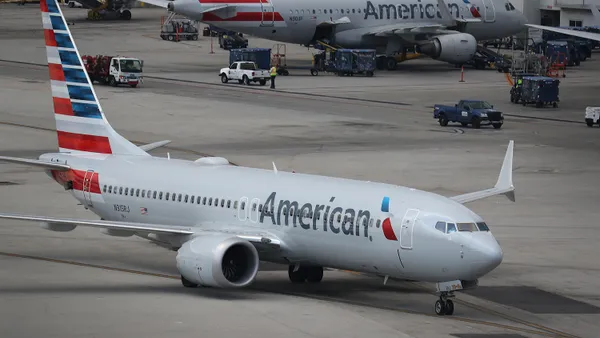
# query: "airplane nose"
488, 255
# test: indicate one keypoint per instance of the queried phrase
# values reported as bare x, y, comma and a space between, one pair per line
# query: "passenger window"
371, 223
243, 205
222, 203
104, 188
192, 199
126, 191
186, 198
210, 201
359, 10
314, 12
110, 189
235, 204
204, 201
228, 204
451, 228
441, 226
173, 197
254, 207
143, 193
160, 195
179, 198
353, 10
167, 196
216, 202
342, 11
378, 223
137, 193
120, 190
154, 194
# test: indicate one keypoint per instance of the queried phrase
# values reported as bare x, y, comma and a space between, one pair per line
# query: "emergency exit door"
87, 186
489, 11
268, 14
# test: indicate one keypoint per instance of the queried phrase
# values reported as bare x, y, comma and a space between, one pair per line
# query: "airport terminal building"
575, 13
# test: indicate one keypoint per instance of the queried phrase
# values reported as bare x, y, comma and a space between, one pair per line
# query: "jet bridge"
107, 9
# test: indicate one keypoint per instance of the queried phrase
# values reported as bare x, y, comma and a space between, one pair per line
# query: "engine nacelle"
118, 233
212, 160
223, 261
453, 48
60, 227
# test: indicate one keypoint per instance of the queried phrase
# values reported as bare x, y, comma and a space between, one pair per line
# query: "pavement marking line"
296, 294
312, 95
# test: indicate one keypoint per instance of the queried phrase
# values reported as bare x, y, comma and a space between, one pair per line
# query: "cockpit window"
482, 226
441, 226
467, 227
451, 228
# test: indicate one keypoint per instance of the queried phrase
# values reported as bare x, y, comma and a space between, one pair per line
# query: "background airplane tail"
80, 124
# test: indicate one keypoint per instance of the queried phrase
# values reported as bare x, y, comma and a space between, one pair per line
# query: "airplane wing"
504, 185
261, 239
405, 29
159, 3
572, 32
37, 163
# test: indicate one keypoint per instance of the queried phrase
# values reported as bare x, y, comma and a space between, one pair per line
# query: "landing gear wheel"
449, 308
391, 63
126, 15
314, 274
298, 276
440, 307
187, 283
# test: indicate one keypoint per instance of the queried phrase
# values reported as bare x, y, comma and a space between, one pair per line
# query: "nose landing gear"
444, 306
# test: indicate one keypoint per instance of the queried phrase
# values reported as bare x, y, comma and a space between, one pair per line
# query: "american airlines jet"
446, 31
223, 219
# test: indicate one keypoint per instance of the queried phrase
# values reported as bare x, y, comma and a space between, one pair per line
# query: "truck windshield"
479, 105
247, 66
131, 66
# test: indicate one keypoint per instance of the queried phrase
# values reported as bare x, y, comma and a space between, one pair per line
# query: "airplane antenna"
168, 156
274, 168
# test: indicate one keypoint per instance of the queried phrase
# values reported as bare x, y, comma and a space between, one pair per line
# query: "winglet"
505, 178
445, 12
152, 146
274, 168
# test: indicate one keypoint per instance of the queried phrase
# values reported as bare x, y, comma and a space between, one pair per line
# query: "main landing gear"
444, 306
300, 274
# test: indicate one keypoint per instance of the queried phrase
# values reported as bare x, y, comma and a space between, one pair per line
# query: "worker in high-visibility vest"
273, 72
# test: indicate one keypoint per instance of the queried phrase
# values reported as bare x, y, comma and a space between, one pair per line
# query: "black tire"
589, 122
246, 80
440, 308
443, 120
497, 125
195, 37
285, 73
71, 4
112, 81
314, 274
134, 85
126, 15
391, 63
262, 82
187, 283
224, 78
369, 73
298, 276
476, 122
170, 37
554, 104
314, 72
464, 124
449, 308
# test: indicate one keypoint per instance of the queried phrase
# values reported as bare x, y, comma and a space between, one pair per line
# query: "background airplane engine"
58, 227
452, 48
218, 260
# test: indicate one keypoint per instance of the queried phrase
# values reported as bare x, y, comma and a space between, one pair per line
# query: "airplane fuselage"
297, 22
325, 221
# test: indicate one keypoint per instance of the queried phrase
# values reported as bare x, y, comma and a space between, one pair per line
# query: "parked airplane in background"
105, 9
223, 219
444, 31
574, 32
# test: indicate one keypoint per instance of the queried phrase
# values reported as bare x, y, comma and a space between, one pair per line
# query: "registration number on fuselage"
295, 18
121, 207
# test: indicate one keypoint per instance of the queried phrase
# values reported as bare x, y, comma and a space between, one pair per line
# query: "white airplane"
223, 219
105, 9
444, 31
573, 32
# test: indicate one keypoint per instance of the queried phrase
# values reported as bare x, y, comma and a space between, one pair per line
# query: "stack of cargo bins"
260, 56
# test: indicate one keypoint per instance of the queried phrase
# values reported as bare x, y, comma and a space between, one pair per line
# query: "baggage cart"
260, 56
592, 116
178, 29
355, 61
540, 90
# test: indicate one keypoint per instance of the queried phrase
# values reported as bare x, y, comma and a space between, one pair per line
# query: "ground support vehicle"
179, 29
517, 89
244, 72
345, 62
229, 40
114, 70
540, 90
260, 56
592, 116
473, 112
278, 59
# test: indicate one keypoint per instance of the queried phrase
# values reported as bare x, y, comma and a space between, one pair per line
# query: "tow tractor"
113, 70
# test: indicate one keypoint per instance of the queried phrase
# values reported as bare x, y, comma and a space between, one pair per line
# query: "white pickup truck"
245, 72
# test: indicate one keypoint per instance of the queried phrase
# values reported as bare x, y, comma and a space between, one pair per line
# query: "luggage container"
592, 116
355, 61
260, 56
540, 90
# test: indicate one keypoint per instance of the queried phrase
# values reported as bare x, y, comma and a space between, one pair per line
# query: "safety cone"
462, 74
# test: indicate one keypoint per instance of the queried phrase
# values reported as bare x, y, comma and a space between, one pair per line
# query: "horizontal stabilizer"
504, 185
154, 145
163, 229
36, 163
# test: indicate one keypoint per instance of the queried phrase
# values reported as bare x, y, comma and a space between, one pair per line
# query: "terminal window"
575, 23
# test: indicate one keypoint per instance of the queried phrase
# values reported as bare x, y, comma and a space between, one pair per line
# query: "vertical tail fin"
80, 124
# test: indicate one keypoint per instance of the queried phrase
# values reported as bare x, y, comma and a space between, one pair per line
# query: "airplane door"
408, 224
268, 14
87, 184
490, 11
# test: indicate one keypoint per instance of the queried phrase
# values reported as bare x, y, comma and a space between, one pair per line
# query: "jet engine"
223, 261
453, 48
60, 227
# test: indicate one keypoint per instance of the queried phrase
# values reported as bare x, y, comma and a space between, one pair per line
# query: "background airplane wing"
572, 32
504, 185
159, 3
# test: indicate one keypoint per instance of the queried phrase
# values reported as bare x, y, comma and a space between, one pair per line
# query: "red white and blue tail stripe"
80, 124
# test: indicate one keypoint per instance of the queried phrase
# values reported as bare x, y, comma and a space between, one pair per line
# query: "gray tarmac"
86, 284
